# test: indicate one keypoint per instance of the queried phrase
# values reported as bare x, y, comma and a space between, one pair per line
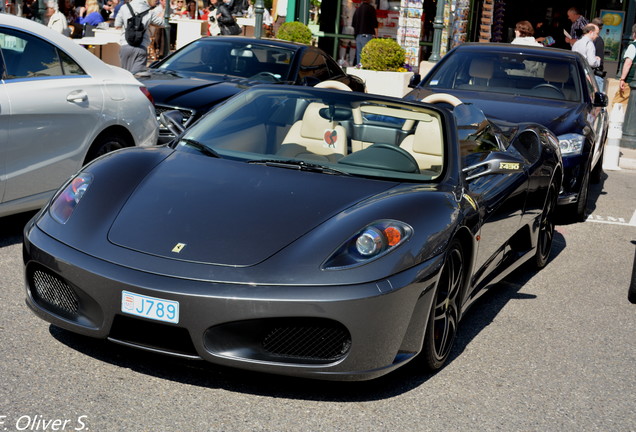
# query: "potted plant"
294, 31
382, 68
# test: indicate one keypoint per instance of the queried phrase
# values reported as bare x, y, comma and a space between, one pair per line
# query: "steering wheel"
549, 86
268, 75
443, 98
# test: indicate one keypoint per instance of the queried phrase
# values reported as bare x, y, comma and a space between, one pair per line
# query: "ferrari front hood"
216, 211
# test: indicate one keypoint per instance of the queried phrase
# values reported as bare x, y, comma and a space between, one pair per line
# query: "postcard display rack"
491, 28
455, 24
410, 29
459, 10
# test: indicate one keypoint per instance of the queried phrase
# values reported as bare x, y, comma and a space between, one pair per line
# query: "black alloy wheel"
546, 229
444, 317
631, 293
577, 210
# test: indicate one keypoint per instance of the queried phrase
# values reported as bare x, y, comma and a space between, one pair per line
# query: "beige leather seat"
480, 72
315, 137
426, 145
557, 73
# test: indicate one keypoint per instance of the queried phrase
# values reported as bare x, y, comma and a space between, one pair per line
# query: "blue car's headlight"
571, 144
65, 202
371, 242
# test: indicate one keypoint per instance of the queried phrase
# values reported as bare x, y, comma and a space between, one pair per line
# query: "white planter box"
384, 83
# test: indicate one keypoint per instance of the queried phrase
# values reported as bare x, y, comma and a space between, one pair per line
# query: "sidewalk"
627, 158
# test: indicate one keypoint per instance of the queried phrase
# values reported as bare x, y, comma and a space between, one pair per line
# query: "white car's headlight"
64, 204
571, 144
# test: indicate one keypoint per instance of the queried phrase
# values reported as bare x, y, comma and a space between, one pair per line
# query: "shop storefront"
410, 22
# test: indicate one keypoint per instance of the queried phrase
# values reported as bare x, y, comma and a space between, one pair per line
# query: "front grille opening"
319, 342
152, 335
53, 293
283, 340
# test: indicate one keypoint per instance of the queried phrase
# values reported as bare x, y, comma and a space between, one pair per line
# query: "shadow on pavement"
12, 226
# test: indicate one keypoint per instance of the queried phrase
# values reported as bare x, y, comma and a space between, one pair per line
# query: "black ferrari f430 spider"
299, 231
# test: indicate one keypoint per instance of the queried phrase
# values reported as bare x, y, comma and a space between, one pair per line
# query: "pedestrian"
578, 22
524, 34
134, 58
365, 26
599, 43
56, 19
280, 13
627, 71
227, 23
585, 46
91, 14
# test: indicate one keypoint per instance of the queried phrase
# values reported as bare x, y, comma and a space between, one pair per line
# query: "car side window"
27, 56
334, 69
313, 64
590, 81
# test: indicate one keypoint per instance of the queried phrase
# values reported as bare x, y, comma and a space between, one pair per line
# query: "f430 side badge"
178, 247
514, 166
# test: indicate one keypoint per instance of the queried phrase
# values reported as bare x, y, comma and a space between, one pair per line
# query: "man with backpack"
135, 17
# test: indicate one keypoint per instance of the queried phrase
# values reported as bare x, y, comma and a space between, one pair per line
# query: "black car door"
499, 196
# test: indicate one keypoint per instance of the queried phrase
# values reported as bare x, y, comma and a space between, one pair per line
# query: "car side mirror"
496, 163
600, 99
415, 80
173, 121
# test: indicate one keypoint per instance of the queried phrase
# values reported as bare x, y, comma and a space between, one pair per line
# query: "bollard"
614, 135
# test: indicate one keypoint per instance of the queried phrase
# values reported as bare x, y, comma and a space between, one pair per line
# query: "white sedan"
60, 107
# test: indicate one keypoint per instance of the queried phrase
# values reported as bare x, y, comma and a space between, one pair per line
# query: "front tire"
445, 311
105, 144
597, 172
546, 229
577, 210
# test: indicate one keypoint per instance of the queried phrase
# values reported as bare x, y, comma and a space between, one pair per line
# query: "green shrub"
295, 32
382, 54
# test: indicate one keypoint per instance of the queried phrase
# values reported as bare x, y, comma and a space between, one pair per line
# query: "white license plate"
150, 307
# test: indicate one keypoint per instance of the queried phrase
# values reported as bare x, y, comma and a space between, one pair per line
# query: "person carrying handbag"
224, 18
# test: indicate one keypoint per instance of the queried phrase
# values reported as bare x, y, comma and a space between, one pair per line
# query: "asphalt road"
553, 351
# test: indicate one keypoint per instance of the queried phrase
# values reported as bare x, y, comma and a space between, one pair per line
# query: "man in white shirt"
585, 45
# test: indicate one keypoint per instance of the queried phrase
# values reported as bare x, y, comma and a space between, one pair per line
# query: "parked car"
299, 231
61, 107
549, 86
209, 70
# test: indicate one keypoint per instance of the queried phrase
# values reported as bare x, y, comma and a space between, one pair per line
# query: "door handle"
77, 96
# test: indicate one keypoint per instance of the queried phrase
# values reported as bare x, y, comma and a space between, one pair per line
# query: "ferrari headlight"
65, 202
371, 242
571, 144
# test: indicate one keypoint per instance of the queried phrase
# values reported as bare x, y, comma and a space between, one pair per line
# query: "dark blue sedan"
552, 87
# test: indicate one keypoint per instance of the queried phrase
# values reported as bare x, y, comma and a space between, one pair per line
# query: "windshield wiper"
201, 147
298, 165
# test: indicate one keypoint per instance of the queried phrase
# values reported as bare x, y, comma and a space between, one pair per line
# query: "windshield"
509, 73
260, 62
326, 131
